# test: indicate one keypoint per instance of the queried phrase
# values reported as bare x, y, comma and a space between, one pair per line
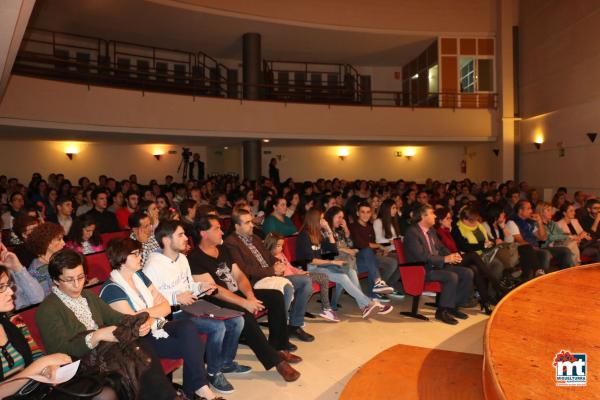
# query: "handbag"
508, 254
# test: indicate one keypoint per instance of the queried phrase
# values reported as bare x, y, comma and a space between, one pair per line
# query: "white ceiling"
149, 23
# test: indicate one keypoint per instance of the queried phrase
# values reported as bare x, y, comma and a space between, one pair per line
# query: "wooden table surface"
558, 311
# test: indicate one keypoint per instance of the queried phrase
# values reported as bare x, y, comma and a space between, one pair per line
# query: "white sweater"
380, 234
170, 277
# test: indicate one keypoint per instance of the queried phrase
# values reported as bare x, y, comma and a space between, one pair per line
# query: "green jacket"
60, 329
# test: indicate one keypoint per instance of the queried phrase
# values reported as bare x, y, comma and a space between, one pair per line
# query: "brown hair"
41, 237
469, 213
21, 222
119, 249
272, 239
312, 225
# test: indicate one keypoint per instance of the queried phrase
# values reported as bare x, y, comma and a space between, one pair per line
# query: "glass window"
433, 85
485, 75
467, 75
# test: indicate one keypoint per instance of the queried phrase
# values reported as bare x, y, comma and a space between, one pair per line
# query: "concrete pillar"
252, 159
507, 11
14, 16
252, 65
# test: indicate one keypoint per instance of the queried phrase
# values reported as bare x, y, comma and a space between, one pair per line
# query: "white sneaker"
429, 294
329, 315
382, 288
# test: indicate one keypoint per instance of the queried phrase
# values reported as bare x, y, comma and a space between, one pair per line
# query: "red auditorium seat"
28, 316
98, 266
413, 280
107, 237
289, 248
225, 224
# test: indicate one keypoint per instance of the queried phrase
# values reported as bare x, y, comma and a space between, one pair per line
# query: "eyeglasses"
80, 278
5, 286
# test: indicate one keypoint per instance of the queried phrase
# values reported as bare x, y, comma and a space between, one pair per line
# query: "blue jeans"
343, 280
223, 338
366, 261
183, 342
302, 293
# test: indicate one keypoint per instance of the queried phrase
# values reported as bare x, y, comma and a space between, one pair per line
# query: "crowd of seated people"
220, 243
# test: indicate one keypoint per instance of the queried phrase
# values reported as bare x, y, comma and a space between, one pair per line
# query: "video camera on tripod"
185, 162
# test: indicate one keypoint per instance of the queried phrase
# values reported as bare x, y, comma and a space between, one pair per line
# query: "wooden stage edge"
533, 322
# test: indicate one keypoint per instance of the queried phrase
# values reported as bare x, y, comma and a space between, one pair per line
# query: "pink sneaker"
329, 315
385, 309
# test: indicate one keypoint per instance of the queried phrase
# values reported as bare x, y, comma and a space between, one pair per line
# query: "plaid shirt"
150, 246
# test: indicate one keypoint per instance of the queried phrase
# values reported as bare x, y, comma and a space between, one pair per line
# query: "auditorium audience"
564, 250
274, 243
74, 321
169, 270
317, 245
212, 264
20, 356
129, 291
589, 248
266, 272
422, 244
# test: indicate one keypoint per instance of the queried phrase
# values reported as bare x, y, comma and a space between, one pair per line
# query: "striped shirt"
19, 362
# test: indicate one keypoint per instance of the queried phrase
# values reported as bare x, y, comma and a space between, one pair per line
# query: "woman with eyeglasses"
129, 291
30, 291
17, 358
74, 321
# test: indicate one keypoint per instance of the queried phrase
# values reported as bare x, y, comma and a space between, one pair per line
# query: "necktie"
431, 241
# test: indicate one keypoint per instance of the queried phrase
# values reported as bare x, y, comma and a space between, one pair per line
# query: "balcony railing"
94, 61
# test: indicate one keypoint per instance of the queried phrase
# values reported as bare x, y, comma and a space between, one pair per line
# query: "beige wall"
440, 162
560, 92
21, 158
51, 104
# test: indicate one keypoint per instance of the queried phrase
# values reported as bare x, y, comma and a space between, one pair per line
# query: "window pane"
467, 75
485, 75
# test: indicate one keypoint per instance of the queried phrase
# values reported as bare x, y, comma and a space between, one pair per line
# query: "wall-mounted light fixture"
71, 150
409, 153
398, 154
592, 136
343, 152
158, 153
266, 140
537, 142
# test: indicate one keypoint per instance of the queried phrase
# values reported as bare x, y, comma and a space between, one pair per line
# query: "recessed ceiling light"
266, 140
226, 148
